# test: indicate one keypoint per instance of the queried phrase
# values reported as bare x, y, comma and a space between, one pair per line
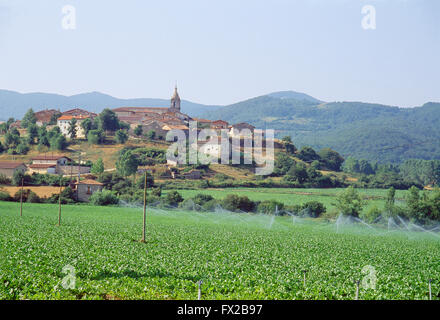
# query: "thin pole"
145, 208
430, 294
199, 295
59, 206
357, 290
304, 280
21, 198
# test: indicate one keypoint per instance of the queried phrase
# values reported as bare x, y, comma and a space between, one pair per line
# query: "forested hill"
362, 130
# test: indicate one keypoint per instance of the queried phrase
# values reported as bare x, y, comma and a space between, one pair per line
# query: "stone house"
219, 124
85, 189
241, 129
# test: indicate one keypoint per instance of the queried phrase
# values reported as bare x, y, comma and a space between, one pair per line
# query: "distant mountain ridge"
15, 104
362, 130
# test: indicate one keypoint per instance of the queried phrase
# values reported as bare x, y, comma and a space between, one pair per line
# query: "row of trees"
326, 158
421, 207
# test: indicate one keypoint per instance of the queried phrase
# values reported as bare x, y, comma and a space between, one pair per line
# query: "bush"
314, 208
96, 136
233, 202
28, 196
33, 198
121, 136
104, 198
270, 207
371, 214
4, 196
173, 198
4, 179
221, 177
157, 192
200, 199
210, 205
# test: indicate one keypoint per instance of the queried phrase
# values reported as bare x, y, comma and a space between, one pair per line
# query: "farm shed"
8, 168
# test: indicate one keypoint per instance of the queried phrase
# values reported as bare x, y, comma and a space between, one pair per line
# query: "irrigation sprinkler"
429, 286
21, 197
304, 279
199, 295
357, 289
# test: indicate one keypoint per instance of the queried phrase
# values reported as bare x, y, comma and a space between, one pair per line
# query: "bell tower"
175, 100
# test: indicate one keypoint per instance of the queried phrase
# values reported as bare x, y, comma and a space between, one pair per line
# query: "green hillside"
362, 130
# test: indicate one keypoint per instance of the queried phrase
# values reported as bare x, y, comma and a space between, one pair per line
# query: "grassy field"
374, 197
238, 256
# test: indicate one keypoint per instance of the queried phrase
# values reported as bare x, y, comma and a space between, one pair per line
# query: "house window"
89, 190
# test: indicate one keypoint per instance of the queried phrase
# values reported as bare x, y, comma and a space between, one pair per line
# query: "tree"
288, 145
121, 136
151, 135
350, 202
22, 148
12, 138
54, 118
87, 125
58, 142
331, 159
389, 202
108, 121
173, 198
140, 183
282, 164
97, 167
127, 164
28, 119
72, 130
308, 154
298, 173
96, 136
138, 130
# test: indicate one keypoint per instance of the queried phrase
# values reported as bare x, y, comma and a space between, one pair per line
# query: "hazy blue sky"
224, 51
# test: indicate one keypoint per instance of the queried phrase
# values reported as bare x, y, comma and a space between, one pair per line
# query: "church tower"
175, 101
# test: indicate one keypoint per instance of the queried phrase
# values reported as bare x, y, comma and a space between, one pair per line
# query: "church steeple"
175, 100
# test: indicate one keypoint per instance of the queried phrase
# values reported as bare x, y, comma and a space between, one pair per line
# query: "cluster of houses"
55, 164
161, 120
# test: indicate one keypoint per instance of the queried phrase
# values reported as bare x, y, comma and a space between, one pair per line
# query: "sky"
224, 51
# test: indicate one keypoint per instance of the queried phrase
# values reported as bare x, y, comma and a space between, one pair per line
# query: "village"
156, 121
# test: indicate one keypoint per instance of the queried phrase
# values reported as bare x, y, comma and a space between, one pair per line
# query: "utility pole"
145, 208
59, 205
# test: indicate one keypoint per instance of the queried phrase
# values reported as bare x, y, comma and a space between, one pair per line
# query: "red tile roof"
68, 117
10, 164
52, 157
90, 181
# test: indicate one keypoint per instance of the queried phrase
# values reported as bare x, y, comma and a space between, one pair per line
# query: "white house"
64, 124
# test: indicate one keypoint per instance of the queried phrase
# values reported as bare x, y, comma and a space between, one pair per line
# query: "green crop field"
290, 196
238, 256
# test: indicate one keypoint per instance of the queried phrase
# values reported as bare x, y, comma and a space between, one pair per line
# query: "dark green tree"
28, 119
